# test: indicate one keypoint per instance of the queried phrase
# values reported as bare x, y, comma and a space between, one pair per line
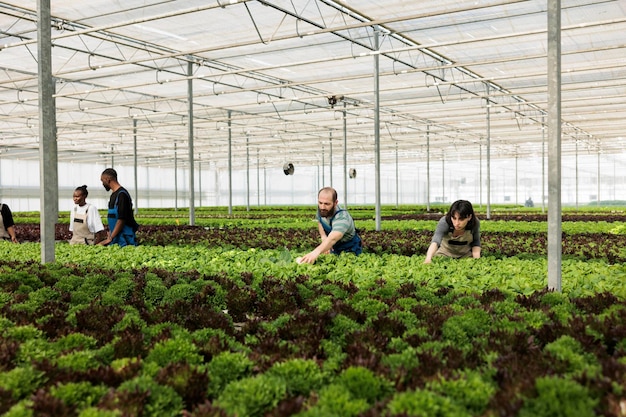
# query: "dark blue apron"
127, 237
353, 245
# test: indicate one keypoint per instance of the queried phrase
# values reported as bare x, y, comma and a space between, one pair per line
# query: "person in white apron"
457, 234
85, 221
7, 225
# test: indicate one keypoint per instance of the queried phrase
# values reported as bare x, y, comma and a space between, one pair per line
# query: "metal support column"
345, 157
175, 176
516, 179
397, 179
330, 157
48, 157
136, 205
480, 173
323, 170
598, 176
192, 199
554, 145
247, 172
543, 164
199, 182
230, 165
488, 154
443, 177
576, 174
377, 122
428, 167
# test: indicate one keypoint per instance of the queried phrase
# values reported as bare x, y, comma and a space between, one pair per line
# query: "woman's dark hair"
464, 209
83, 190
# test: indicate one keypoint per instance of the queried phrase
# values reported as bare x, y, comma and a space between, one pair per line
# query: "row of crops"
218, 320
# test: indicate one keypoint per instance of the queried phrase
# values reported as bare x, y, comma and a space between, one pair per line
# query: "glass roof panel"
282, 73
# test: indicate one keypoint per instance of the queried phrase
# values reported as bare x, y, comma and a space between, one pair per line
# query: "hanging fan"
288, 168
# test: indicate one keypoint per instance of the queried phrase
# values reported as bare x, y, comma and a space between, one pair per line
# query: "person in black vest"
336, 228
7, 225
122, 224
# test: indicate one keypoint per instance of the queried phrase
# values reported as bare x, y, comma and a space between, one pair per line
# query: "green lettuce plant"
559, 397
301, 376
252, 396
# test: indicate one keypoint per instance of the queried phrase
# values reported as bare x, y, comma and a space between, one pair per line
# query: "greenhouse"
219, 96
223, 119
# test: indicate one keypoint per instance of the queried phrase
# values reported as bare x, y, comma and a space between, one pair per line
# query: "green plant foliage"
214, 341
345, 336
21, 381
74, 341
35, 350
216, 295
24, 280
363, 384
68, 283
570, 351
161, 401
226, 368
177, 350
154, 290
23, 333
342, 326
118, 292
36, 299
507, 307
406, 303
405, 317
132, 317
21, 409
79, 394
94, 285
425, 403
518, 275
180, 292
277, 324
534, 318
335, 356
370, 307
464, 328
252, 396
5, 298
559, 397
471, 390
301, 376
322, 302
97, 412
78, 361
335, 400
403, 362
554, 298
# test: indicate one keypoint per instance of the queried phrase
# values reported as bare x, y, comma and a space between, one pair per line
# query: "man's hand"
105, 241
310, 257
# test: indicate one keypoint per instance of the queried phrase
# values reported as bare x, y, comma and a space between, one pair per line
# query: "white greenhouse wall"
512, 182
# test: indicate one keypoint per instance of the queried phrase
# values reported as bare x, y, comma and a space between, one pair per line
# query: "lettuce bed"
497, 239
165, 330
